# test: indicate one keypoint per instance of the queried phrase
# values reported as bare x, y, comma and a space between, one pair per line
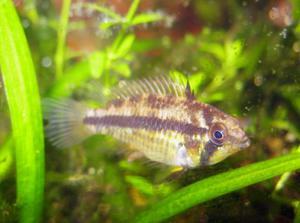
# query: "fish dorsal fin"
158, 85
188, 92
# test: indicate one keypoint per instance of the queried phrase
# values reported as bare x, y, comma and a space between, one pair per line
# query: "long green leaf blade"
24, 104
218, 185
61, 37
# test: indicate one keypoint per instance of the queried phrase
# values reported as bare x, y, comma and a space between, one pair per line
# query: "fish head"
225, 136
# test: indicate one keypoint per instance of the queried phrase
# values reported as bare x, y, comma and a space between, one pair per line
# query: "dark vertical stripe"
207, 152
143, 122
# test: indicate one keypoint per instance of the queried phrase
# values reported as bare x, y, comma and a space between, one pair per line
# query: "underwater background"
240, 56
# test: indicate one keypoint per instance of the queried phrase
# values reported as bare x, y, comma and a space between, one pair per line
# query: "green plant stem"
24, 105
61, 37
218, 185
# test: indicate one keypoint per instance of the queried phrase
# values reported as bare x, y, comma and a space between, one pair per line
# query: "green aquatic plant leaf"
217, 186
140, 184
24, 106
146, 18
132, 10
97, 63
122, 69
124, 46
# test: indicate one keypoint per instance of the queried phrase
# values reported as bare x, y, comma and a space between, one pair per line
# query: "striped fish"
158, 117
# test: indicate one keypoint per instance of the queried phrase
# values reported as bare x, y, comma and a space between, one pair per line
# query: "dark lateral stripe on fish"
207, 152
143, 122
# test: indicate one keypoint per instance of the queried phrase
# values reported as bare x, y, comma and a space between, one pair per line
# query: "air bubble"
46, 61
91, 171
296, 47
258, 80
25, 23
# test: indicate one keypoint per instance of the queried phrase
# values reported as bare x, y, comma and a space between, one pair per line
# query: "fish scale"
160, 146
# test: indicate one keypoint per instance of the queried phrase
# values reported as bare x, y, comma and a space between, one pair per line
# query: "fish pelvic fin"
65, 122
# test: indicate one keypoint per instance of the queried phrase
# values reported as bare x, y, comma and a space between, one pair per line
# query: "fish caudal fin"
65, 122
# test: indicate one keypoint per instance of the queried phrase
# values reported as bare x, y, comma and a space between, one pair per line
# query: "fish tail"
65, 122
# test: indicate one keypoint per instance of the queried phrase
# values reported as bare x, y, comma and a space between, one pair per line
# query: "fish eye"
217, 133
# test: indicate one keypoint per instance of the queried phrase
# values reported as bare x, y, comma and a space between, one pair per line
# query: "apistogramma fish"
158, 117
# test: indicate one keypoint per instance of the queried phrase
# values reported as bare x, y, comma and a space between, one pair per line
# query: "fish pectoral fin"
177, 169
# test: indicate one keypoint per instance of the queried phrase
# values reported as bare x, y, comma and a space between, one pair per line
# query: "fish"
158, 117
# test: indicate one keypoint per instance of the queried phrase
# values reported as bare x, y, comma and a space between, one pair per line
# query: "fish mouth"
245, 142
